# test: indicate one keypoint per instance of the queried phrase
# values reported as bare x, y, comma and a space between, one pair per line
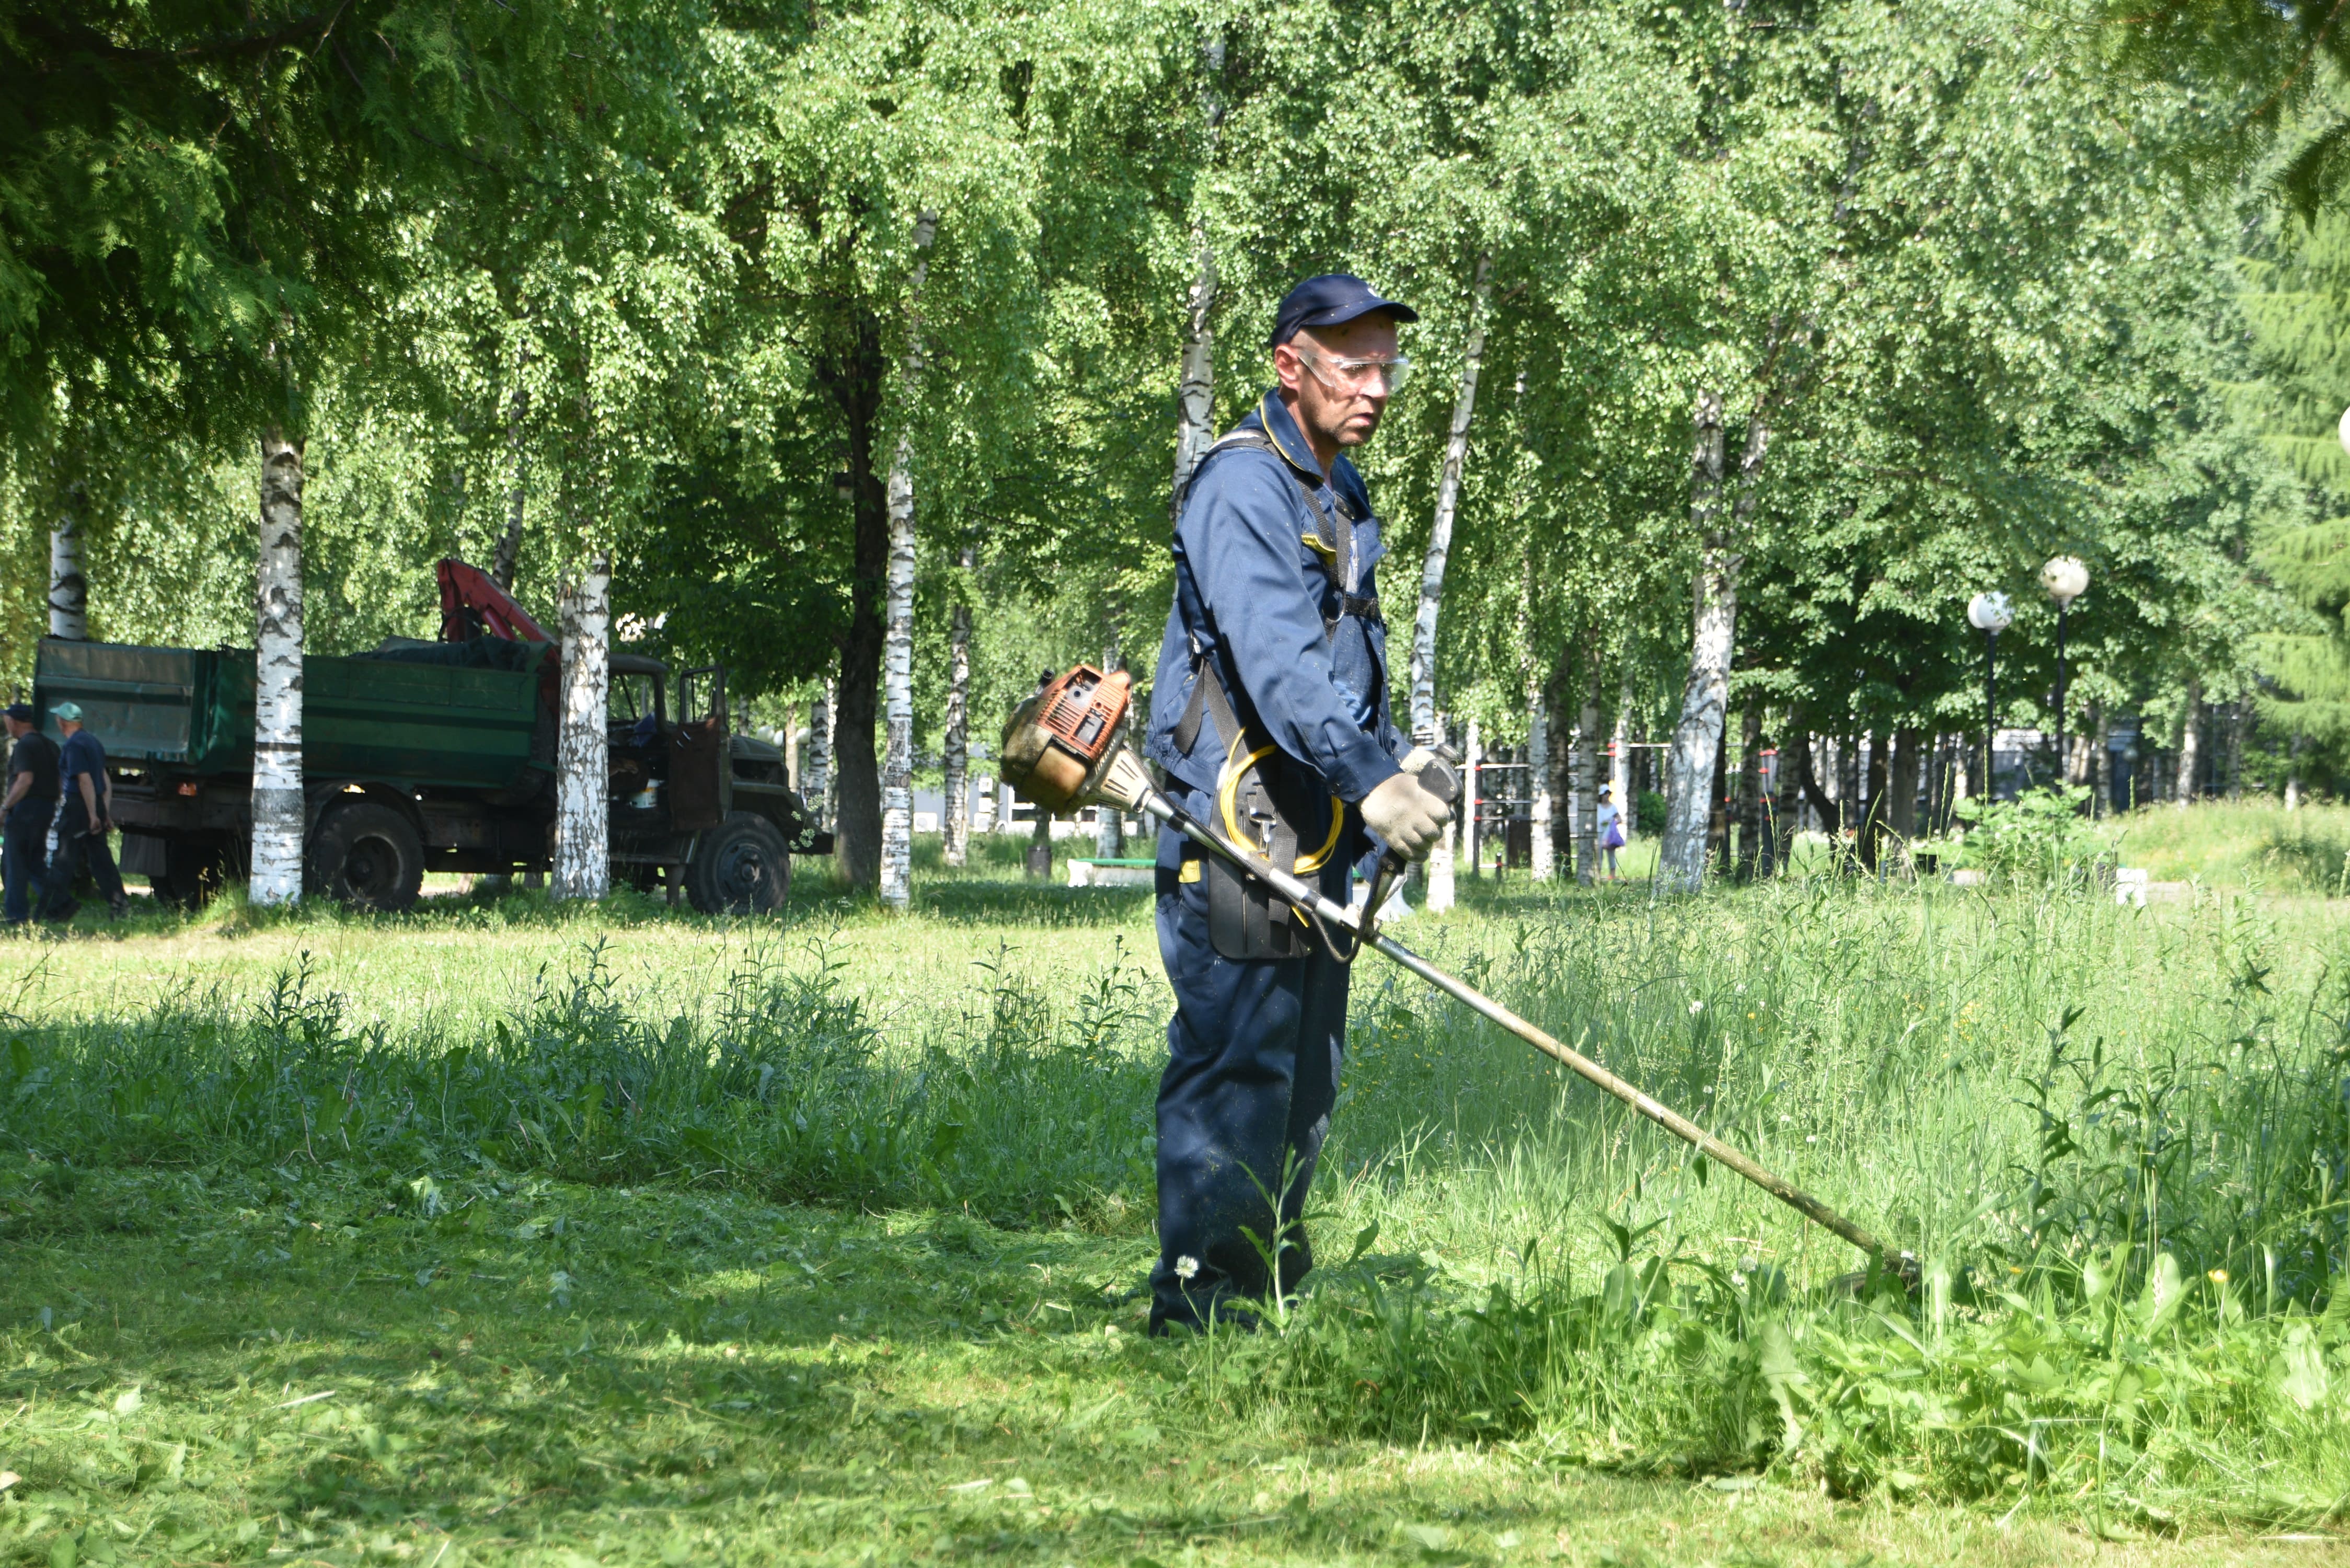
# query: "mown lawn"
253, 1365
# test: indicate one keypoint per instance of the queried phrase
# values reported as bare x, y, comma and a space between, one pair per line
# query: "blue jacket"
1250, 593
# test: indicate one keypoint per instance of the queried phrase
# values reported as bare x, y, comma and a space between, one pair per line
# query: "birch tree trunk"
1439, 866
1696, 737
68, 588
954, 819
2101, 768
1619, 771
583, 860
1447, 501
1587, 786
2292, 772
2236, 711
2189, 743
277, 815
1109, 831
1538, 782
1195, 394
816, 788
1472, 776
985, 817
509, 552
898, 640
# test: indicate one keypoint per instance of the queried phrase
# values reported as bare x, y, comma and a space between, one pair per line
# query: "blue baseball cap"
1330, 300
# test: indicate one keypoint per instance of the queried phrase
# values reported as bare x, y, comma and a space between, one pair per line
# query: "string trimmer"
1064, 748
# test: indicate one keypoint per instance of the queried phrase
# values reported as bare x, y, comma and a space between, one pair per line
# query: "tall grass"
2113, 1141
2242, 842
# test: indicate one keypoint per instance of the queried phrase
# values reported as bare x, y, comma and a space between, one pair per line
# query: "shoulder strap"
1332, 527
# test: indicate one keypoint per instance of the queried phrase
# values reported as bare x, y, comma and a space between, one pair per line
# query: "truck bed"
188, 713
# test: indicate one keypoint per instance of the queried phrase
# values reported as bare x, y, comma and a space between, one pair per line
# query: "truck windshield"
632, 697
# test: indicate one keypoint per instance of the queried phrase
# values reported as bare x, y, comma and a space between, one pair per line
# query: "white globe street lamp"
2066, 579
1991, 614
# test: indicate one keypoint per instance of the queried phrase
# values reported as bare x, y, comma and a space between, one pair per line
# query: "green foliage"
2042, 837
1648, 814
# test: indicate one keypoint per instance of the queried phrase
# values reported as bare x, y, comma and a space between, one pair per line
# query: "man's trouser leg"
1253, 1054
22, 848
57, 900
98, 849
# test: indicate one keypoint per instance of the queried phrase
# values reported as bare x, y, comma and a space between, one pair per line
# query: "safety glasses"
1341, 375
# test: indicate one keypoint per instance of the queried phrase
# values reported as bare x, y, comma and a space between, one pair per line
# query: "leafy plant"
2043, 837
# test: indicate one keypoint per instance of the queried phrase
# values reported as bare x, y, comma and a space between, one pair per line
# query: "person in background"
30, 806
1611, 830
82, 825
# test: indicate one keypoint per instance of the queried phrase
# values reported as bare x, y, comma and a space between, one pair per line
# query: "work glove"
1406, 815
1416, 759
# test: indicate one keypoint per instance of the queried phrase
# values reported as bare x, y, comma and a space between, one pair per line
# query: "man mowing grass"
1270, 715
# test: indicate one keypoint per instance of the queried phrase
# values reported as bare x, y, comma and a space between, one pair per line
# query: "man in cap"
82, 825
1270, 714
25, 813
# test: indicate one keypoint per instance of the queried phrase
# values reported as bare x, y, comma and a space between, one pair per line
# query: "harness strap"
1334, 531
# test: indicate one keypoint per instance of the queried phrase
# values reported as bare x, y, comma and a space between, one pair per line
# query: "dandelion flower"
1186, 1267
2218, 1276
1696, 1008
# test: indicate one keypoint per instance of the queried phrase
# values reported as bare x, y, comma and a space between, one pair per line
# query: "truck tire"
367, 856
739, 867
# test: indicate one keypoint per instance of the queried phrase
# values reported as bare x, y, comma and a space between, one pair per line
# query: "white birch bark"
2293, 772
583, 861
815, 790
1437, 870
1619, 769
2189, 744
1696, 737
1195, 393
897, 689
897, 888
983, 815
1109, 824
1587, 787
1538, 780
954, 815
1447, 501
68, 588
277, 815
1472, 774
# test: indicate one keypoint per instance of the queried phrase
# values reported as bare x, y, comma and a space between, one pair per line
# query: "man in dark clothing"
82, 825
1270, 714
26, 814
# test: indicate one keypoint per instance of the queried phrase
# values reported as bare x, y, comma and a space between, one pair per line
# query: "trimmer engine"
1062, 739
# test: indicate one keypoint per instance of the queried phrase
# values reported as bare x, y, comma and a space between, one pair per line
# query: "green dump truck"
428, 756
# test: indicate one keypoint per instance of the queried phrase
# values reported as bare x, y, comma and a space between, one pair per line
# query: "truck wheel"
367, 856
739, 867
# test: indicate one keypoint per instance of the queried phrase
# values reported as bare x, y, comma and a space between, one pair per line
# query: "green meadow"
506, 1232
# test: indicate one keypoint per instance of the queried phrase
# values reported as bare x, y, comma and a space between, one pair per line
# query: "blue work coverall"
1255, 1045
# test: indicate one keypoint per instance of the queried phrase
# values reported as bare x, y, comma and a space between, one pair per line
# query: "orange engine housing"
1061, 735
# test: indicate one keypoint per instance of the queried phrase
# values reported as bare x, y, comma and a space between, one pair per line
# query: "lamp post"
1991, 614
2066, 579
